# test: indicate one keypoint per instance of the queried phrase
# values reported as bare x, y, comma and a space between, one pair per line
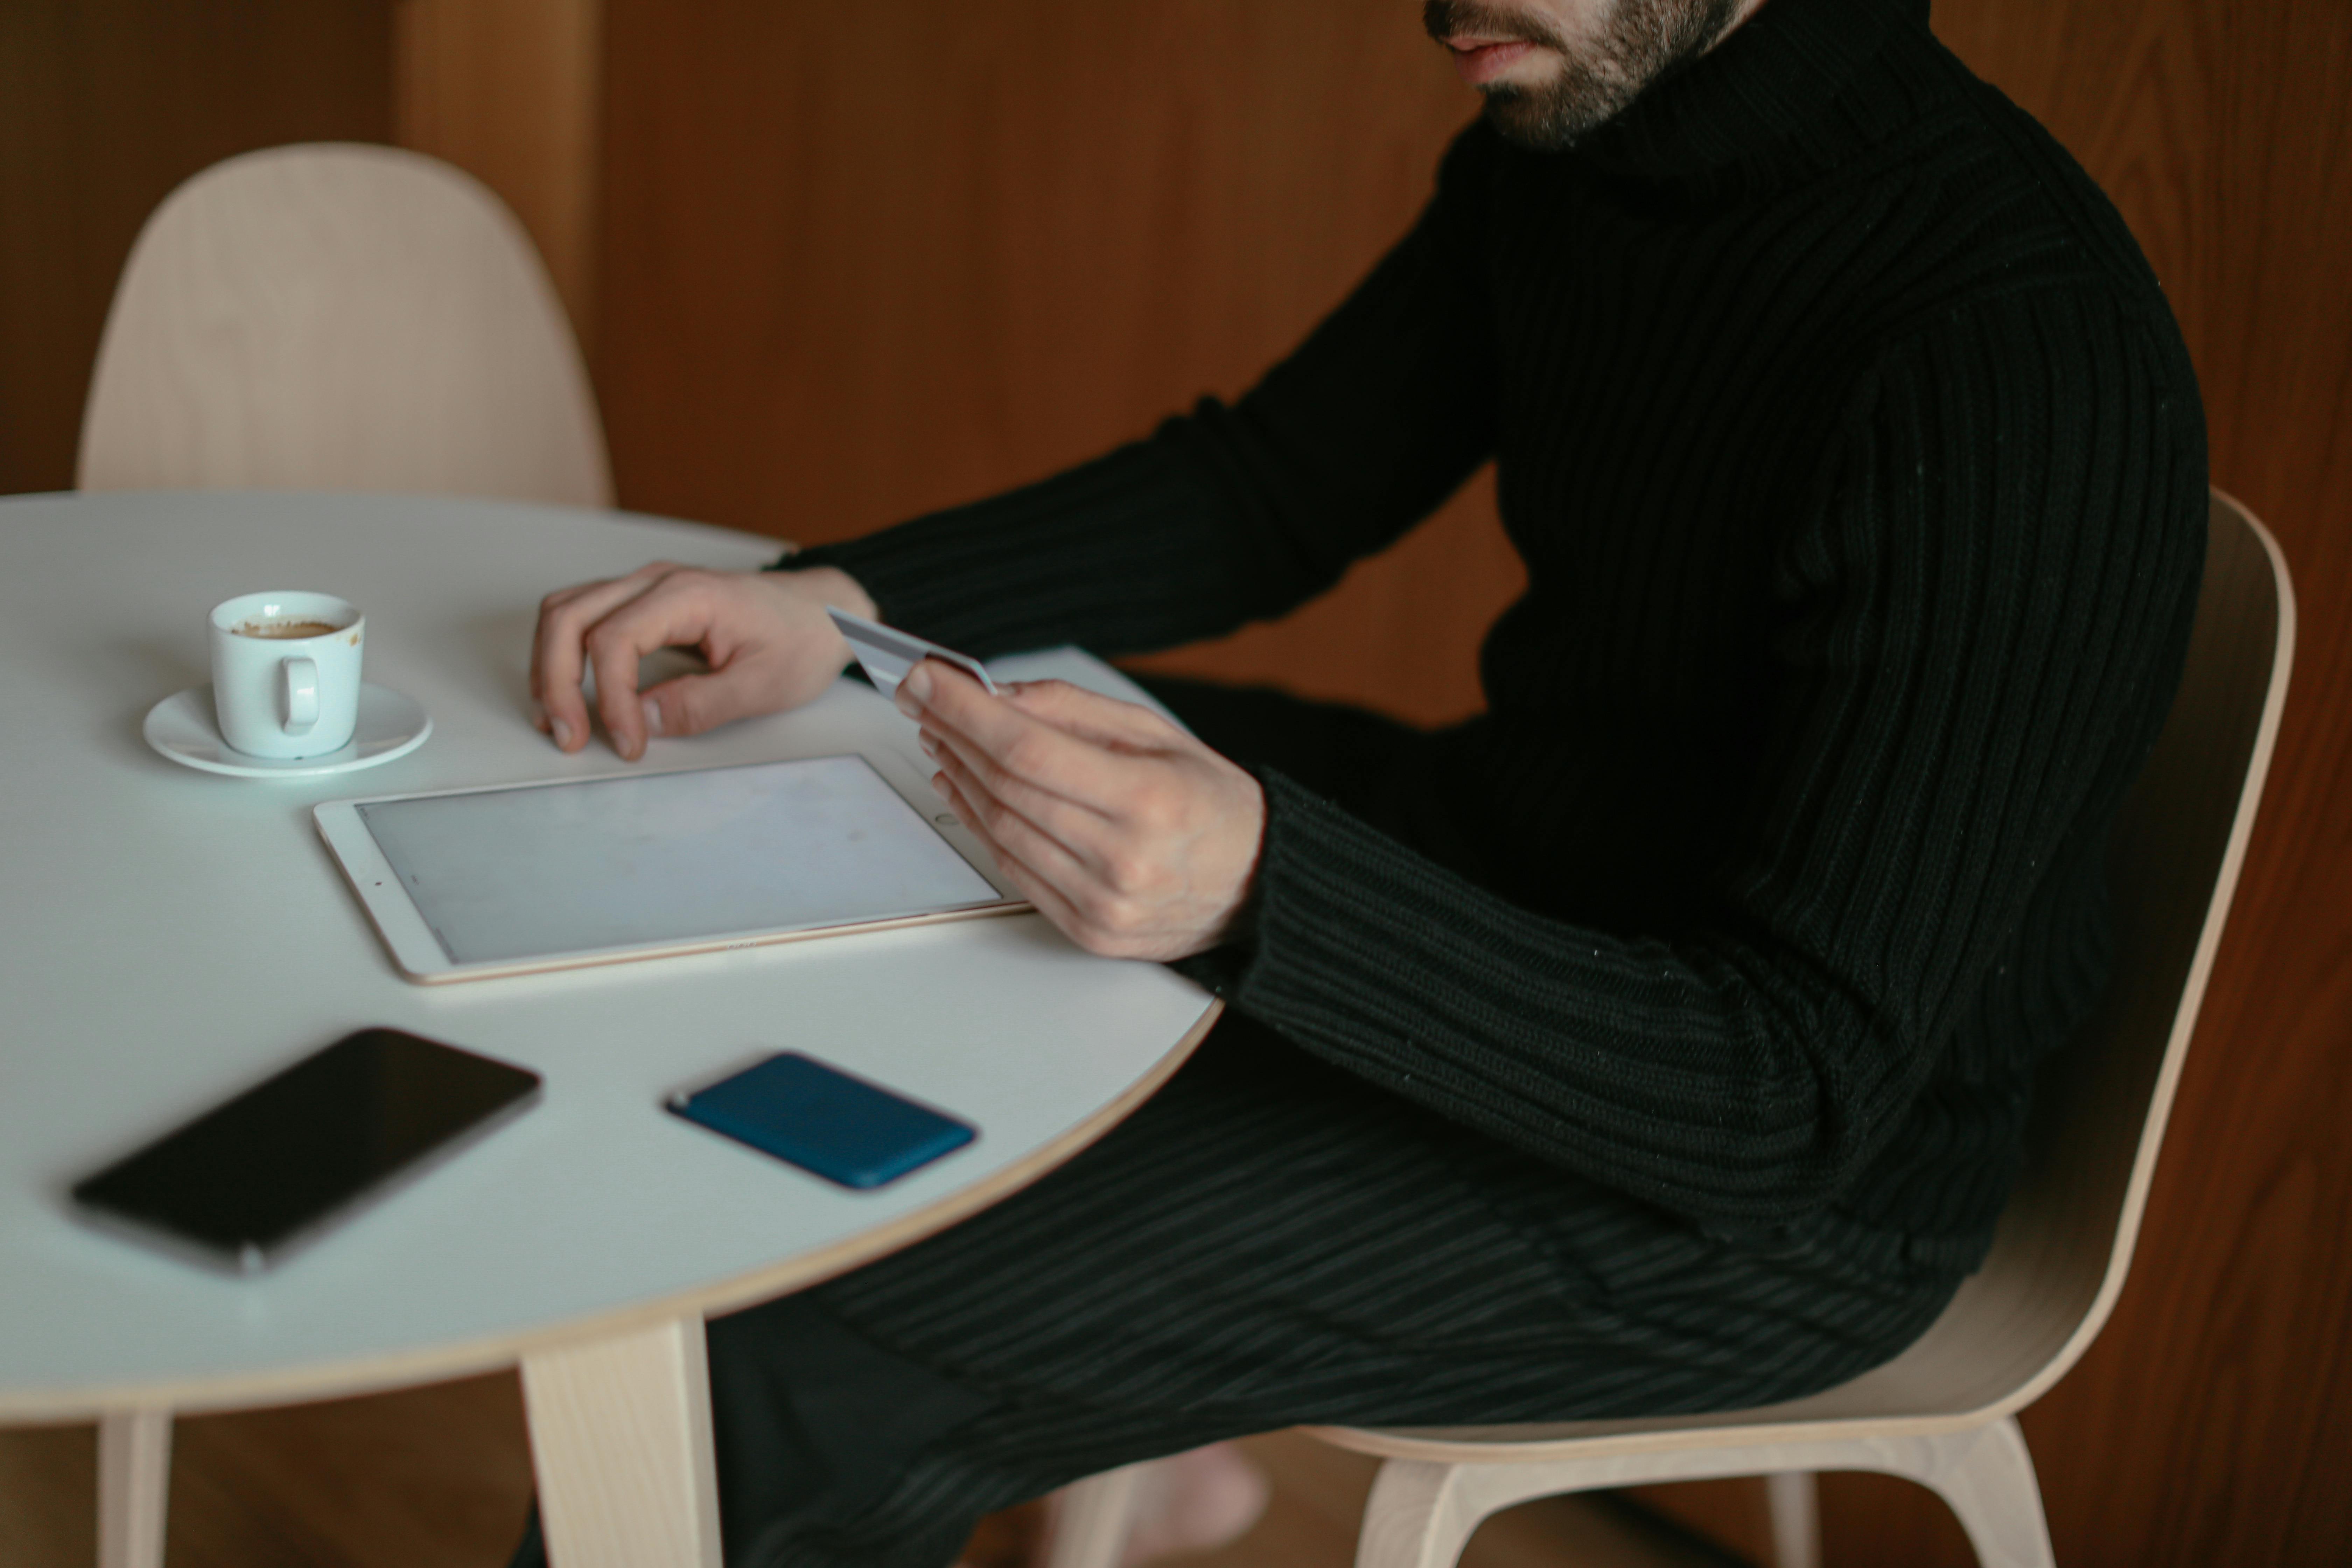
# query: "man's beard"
1640, 41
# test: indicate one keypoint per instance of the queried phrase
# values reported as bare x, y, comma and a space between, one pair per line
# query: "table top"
168, 937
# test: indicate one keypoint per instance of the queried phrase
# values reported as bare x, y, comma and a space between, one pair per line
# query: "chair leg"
135, 1487
1986, 1476
1794, 1501
1413, 1519
1422, 1512
1090, 1520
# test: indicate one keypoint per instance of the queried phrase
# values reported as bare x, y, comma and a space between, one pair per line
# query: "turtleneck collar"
1751, 99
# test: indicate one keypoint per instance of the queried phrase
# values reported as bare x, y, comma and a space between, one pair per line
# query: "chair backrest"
333, 317
2066, 1238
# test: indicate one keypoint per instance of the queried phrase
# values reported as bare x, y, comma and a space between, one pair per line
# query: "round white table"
168, 936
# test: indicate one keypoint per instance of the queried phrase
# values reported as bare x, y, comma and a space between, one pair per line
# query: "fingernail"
918, 684
939, 785
562, 732
930, 747
653, 717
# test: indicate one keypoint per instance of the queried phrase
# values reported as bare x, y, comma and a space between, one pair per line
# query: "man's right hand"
765, 636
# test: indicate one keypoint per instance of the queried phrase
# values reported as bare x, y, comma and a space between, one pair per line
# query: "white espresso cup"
286, 673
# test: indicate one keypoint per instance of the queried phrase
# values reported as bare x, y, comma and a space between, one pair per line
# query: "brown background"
105, 105
838, 265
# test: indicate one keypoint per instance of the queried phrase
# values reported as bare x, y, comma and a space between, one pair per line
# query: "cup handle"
302, 694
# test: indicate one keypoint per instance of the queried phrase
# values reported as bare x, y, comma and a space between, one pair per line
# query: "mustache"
1446, 19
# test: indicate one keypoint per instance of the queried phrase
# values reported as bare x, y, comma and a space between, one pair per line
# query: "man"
1660, 1039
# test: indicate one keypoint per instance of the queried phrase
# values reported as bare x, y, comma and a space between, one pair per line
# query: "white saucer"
181, 728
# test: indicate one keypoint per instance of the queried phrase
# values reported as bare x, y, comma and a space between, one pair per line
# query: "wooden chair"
333, 317
1944, 1412
327, 317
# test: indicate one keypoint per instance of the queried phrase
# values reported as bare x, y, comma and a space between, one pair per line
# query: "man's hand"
1134, 838
765, 636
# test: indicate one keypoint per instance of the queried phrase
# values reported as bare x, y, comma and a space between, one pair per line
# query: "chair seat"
1999, 1343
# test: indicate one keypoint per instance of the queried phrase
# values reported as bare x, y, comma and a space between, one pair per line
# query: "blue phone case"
826, 1122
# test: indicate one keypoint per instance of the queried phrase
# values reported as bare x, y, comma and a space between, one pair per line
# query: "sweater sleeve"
1982, 608
1228, 514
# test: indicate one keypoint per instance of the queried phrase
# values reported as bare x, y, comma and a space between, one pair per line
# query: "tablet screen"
511, 873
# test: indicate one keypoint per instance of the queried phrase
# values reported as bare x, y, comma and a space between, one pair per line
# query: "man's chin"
1599, 80
1549, 120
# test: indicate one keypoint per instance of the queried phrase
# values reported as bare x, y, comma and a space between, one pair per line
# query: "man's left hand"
1133, 838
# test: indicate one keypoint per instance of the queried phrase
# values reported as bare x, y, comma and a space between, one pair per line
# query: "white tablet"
468, 883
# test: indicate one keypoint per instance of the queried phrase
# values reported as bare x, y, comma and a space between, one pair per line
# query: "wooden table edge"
370, 1375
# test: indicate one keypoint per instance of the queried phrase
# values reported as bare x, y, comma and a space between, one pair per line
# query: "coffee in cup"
285, 629
286, 673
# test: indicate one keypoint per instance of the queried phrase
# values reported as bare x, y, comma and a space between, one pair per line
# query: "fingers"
689, 704
1054, 838
1049, 900
1142, 847
1006, 745
1037, 851
1089, 906
1106, 721
1040, 781
564, 619
677, 618
766, 642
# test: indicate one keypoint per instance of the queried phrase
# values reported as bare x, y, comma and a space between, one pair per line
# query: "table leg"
620, 1439
134, 1487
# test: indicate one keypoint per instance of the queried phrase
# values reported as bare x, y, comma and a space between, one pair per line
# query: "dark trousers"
1268, 1241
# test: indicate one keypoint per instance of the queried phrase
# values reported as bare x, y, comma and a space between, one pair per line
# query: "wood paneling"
509, 91
105, 105
855, 271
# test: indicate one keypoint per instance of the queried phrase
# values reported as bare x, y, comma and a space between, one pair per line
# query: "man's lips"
1481, 60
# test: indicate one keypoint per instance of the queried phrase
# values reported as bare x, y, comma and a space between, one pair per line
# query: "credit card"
887, 653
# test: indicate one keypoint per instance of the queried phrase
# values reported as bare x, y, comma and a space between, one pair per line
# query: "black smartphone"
825, 1121
252, 1179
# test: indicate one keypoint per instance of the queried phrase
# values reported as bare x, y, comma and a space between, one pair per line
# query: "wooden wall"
511, 91
105, 105
839, 267
855, 272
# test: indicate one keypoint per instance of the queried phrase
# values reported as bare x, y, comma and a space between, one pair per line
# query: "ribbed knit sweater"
1859, 471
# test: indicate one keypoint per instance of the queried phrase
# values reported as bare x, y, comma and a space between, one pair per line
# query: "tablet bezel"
417, 954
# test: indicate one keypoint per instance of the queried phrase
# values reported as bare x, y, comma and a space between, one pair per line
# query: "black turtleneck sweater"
1859, 471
